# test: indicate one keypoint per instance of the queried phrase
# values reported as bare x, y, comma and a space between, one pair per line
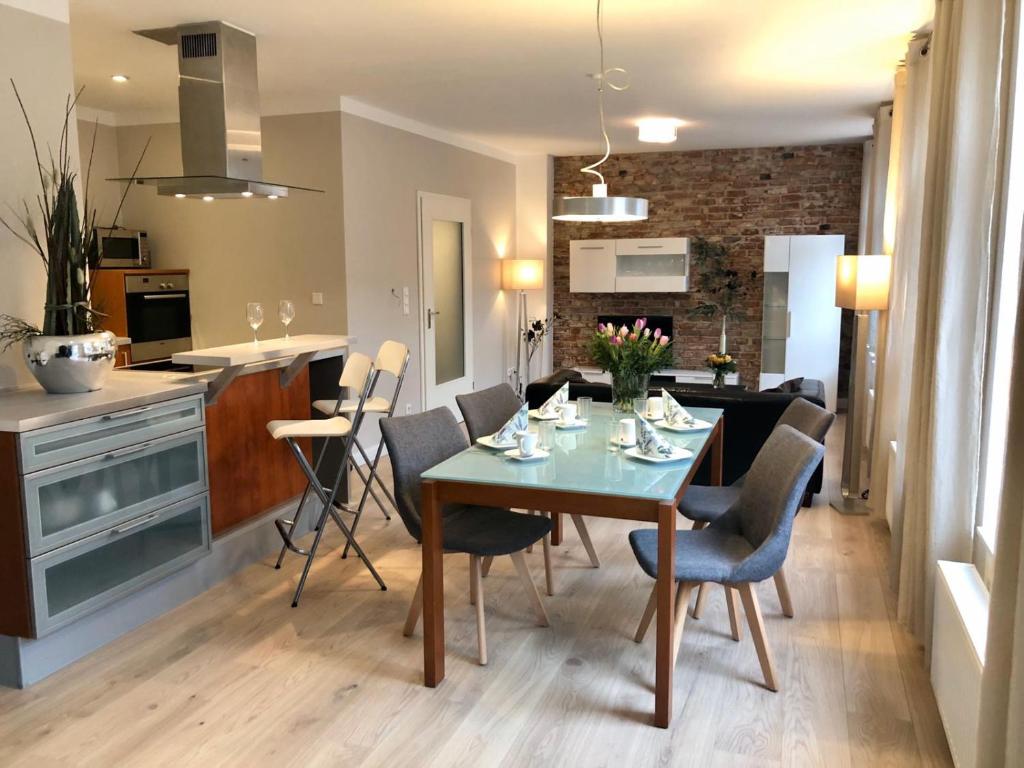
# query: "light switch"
318, 298
405, 300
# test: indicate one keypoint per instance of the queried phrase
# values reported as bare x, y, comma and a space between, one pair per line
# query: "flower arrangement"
534, 335
631, 355
721, 290
720, 365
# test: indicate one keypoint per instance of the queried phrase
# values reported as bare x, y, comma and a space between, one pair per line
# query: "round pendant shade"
607, 209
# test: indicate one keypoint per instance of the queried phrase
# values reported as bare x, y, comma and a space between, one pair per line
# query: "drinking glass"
583, 408
640, 406
611, 437
546, 434
286, 313
254, 314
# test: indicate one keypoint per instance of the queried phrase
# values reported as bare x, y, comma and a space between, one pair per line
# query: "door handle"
431, 313
163, 296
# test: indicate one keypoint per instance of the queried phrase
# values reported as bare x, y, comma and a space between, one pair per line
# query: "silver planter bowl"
71, 364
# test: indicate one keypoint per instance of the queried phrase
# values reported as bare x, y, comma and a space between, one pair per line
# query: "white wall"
534, 177
383, 168
35, 50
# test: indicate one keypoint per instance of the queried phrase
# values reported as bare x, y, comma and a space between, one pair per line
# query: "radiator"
958, 655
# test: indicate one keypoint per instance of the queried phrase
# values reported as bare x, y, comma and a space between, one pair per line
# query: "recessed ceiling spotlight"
247, 194
119, 78
658, 130
271, 197
207, 198
180, 195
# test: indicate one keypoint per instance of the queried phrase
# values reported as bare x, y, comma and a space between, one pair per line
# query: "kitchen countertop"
30, 407
250, 352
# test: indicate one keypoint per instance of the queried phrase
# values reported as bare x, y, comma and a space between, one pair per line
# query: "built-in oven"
158, 313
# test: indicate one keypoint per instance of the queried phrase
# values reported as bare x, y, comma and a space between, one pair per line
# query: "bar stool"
358, 374
392, 358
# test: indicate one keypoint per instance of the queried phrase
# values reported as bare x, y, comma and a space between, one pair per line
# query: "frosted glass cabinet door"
449, 288
67, 503
80, 577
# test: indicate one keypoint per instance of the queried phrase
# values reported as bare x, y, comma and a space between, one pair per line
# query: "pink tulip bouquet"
631, 355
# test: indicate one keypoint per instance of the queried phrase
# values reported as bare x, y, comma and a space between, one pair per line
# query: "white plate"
697, 426
618, 442
538, 453
487, 441
678, 454
578, 424
535, 414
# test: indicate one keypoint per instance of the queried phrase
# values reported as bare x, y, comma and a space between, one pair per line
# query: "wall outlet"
408, 409
318, 298
405, 300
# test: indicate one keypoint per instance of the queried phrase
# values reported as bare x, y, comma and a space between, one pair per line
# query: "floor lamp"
521, 275
862, 284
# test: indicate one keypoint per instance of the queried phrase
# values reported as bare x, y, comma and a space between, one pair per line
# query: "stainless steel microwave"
120, 248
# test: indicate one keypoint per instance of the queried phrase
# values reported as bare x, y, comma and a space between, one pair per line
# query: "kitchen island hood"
219, 109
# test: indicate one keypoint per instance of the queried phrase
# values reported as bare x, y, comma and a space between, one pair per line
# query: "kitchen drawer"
67, 503
652, 246
53, 446
69, 582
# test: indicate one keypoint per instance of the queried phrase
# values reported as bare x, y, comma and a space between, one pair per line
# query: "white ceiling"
512, 74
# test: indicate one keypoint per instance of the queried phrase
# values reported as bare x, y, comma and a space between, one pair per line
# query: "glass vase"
719, 380
625, 386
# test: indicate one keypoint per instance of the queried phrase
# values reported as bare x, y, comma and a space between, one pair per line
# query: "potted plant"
66, 355
720, 365
631, 355
721, 289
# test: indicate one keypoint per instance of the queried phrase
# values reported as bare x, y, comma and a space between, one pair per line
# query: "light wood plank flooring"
237, 677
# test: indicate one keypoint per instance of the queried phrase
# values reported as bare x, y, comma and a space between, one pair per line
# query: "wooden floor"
238, 677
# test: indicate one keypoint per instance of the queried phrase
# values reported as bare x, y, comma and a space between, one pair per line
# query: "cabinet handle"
591, 247
126, 414
137, 524
651, 246
126, 451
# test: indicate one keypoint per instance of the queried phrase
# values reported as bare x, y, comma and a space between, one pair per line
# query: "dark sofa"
749, 416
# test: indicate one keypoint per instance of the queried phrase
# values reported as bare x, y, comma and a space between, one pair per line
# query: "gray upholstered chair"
704, 504
485, 412
417, 443
744, 546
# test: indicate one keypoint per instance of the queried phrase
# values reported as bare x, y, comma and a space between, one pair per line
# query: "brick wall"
736, 196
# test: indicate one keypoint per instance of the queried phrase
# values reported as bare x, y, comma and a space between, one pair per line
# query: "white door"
446, 329
812, 349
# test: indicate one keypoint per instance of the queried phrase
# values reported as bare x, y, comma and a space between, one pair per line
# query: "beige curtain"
946, 362
905, 200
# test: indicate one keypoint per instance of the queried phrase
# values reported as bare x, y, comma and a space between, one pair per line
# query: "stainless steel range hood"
219, 107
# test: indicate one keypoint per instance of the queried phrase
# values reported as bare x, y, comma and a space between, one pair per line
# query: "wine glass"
254, 314
286, 313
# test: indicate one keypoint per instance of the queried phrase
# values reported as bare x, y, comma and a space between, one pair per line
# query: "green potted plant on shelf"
721, 289
66, 354
631, 355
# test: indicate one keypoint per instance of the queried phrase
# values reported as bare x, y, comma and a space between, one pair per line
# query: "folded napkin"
649, 442
518, 423
556, 401
675, 414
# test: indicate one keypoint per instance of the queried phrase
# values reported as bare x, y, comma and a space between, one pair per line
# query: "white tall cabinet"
801, 323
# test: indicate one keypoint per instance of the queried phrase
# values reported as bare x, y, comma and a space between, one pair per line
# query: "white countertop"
263, 351
30, 407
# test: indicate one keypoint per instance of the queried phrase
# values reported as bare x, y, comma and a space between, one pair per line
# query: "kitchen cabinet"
800, 322
634, 265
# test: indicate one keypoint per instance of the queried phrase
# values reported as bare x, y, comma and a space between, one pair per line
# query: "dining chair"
703, 504
358, 375
417, 443
392, 358
485, 412
744, 546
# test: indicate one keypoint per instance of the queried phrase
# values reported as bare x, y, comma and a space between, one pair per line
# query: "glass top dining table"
583, 460
580, 477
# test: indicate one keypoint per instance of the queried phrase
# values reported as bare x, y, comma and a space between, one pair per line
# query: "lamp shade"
862, 282
522, 274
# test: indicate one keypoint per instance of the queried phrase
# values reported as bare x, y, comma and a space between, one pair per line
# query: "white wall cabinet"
636, 265
800, 322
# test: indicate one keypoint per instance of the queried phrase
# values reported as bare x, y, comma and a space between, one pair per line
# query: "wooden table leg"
666, 614
556, 529
433, 587
717, 446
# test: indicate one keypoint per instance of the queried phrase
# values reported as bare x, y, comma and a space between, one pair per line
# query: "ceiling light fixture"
599, 207
271, 197
181, 195
207, 198
119, 78
247, 194
658, 130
